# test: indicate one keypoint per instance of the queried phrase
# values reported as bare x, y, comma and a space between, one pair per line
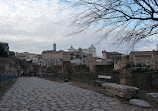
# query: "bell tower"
54, 47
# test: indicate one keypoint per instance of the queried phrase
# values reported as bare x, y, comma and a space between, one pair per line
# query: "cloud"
34, 25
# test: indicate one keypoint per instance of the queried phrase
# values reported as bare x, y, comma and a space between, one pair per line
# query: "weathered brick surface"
141, 80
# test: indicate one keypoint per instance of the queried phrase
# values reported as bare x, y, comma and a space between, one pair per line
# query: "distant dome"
92, 47
71, 48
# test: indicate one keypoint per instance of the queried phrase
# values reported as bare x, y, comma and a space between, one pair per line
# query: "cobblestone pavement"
35, 94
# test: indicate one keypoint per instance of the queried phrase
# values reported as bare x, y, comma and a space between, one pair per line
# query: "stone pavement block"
152, 96
139, 102
120, 90
35, 94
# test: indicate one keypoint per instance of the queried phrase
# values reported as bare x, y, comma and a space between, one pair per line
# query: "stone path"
35, 94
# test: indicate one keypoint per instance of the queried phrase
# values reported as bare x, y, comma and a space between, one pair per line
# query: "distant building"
90, 50
22, 55
149, 58
53, 57
54, 47
76, 61
124, 62
114, 56
29, 57
101, 61
108, 58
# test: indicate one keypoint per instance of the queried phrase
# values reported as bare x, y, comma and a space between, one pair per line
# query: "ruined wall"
8, 65
83, 76
12, 68
155, 59
37, 69
79, 68
103, 70
81, 73
122, 64
149, 58
90, 62
66, 70
141, 80
54, 69
57, 69
27, 67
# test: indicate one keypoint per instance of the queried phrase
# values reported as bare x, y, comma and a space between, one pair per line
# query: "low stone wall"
119, 90
106, 70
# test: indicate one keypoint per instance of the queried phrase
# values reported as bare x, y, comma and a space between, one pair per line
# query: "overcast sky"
34, 25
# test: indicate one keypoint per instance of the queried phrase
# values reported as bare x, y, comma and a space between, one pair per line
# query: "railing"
49, 75
4, 78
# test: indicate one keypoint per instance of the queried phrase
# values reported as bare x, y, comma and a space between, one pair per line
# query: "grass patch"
4, 88
10, 82
83, 81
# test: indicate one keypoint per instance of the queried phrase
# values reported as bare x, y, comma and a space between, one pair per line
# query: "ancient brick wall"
54, 69
12, 68
27, 67
148, 58
141, 80
37, 69
79, 68
81, 73
8, 65
57, 69
90, 62
83, 76
103, 70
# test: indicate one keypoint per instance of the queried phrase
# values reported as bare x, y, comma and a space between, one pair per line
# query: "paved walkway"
35, 94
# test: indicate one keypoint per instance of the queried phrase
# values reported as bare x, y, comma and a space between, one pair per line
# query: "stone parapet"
119, 90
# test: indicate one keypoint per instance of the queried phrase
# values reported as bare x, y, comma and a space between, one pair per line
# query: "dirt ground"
88, 86
98, 89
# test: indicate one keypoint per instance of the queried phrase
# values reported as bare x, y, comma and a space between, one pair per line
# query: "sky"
34, 25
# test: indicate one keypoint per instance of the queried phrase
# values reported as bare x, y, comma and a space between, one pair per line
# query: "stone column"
66, 70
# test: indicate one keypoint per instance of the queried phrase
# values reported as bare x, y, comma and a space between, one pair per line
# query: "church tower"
54, 47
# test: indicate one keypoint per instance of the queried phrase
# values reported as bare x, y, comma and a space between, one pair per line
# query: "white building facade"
90, 50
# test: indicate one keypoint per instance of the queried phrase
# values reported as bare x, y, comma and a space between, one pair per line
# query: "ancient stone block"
119, 90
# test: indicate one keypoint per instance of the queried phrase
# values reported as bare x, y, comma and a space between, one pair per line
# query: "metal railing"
4, 78
49, 75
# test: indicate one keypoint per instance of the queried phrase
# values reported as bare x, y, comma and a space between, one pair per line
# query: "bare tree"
132, 20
